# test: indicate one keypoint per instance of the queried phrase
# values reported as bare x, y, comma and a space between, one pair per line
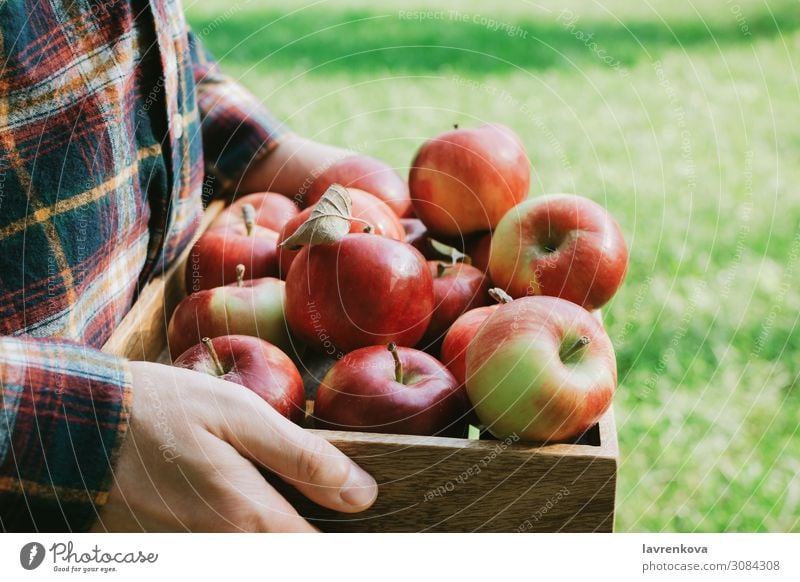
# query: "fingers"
239, 499
315, 467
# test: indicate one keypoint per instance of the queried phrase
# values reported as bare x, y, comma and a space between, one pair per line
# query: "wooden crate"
430, 483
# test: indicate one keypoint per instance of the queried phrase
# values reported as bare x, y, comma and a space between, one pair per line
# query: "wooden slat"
442, 484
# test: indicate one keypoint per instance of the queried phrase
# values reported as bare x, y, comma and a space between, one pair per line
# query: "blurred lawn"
682, 119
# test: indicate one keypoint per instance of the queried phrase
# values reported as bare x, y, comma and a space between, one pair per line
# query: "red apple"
479, 249
254, 363
454, 347
465, 180
272, 210
542, 368
252, 308
368, 174
365, 207
399, 390
416, 233
362, 290
561, 245
456, 289
213, 259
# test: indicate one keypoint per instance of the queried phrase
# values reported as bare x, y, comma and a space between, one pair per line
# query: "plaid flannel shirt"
111, 115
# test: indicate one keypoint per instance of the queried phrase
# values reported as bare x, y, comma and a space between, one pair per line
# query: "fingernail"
360, 490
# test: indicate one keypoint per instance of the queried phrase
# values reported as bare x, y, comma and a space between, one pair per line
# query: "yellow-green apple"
561, 245
542, 368
368, 174
272, 210
399, 390
465, 180
366, 208
254, 363
454, 347
360, 291
213, 259
456, 288
253, 307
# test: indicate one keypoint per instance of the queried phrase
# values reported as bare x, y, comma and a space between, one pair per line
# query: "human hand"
190, 461
291, 167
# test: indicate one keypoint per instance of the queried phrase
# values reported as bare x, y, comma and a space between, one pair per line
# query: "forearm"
290, 168
65, 411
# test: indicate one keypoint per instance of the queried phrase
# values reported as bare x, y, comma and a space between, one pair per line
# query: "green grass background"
689, 133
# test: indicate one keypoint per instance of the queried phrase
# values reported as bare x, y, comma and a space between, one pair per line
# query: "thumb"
315, 467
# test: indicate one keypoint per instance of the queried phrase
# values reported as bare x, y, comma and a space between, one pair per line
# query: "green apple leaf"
455, 255
328, 223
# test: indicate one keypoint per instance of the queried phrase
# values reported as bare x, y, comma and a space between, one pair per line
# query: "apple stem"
500, 296
398, 365
455, 126
452, 253
240, 275
249, 215
441, 268
581, 343
214, 356
367, 226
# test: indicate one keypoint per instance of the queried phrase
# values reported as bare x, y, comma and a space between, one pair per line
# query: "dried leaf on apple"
328, 223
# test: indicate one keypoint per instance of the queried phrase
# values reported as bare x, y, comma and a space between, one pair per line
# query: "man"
112, 123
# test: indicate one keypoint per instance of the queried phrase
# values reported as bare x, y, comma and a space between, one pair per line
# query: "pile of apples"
447, 300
